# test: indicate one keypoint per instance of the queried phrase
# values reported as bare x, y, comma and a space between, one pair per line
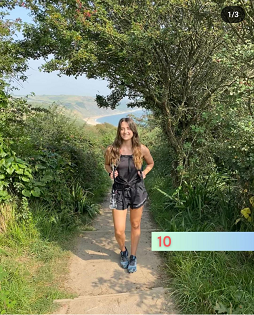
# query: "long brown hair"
114, 153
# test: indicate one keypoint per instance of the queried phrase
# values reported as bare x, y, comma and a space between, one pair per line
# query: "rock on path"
102, 285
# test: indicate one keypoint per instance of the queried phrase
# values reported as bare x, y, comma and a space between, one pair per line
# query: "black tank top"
127, 172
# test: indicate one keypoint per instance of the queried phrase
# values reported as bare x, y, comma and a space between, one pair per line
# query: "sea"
114, 119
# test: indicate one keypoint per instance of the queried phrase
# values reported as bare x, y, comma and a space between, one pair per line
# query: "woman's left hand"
143, 174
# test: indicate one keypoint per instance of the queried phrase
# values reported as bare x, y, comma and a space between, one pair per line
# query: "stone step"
151, 301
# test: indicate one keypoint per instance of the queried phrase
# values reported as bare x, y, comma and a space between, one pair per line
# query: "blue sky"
49, 83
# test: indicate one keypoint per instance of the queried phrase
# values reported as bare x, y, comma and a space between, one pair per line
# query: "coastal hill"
82, 106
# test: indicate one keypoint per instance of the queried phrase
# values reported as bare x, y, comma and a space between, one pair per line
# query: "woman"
127, 154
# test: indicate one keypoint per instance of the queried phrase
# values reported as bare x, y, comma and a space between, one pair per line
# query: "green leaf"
2, 183
220, 308
10, 170
25, 179
3, 154
10, 160
20, 171
39, 183
39, 166
47, 178
237, 220
21, 165
2, 176
3, 193
36, 192
26, 193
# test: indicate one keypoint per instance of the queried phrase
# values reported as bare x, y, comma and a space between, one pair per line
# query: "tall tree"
12, 68
12, 64
163, 55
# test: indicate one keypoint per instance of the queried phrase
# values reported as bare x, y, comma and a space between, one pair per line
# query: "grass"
32, 282
202, 282
212, 282
33, 268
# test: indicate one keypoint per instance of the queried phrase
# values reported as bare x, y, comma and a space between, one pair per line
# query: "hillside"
81, 106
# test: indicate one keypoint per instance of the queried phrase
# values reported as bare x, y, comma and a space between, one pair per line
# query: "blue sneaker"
132, 267
124, 258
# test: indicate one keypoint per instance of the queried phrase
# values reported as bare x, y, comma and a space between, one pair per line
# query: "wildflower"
246, 213
252, 201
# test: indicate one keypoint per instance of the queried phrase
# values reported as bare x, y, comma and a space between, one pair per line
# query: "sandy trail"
103, 287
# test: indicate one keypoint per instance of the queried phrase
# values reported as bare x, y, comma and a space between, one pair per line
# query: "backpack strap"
141, 170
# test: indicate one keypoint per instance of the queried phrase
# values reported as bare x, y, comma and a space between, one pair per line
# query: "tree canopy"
172, 57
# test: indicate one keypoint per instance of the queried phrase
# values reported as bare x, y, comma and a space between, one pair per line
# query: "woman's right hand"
111, 175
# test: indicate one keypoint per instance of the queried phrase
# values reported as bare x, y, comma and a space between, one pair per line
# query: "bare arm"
148, 158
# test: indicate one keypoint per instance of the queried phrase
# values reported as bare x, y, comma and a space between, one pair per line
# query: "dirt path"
102, 285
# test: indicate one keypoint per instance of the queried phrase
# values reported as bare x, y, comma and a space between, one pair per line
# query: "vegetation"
178, 59
211, 199
49, 170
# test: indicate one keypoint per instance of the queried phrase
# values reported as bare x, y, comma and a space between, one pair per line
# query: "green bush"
51, 178
210, 198
15, 175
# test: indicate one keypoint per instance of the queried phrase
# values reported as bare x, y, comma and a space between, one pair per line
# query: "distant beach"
93, 120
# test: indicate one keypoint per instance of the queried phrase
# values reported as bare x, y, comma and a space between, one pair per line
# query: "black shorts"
134, 196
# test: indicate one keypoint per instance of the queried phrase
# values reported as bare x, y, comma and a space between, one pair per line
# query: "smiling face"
127, 137
125, 131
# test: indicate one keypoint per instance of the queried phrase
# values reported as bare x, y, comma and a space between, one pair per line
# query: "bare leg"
135, 218
119, 219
